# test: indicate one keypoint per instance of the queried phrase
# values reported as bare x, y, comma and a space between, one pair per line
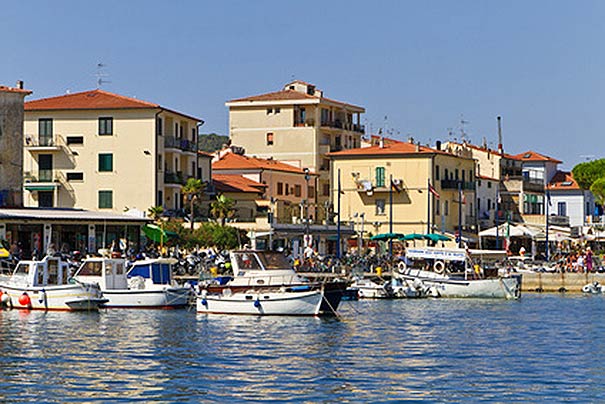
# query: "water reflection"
538, 348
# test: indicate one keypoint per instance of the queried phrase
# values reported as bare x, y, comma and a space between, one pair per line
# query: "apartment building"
98, 150
569, 204
299, 126
431, 189
11, 144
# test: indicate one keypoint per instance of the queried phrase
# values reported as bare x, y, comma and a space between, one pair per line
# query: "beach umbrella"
157, 234
437, 237
387, 236
413, 236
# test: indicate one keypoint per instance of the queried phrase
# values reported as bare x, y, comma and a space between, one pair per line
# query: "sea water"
539, 348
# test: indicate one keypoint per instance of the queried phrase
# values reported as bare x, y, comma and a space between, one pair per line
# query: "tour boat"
263, 283
457, 272
148, 284
47, 285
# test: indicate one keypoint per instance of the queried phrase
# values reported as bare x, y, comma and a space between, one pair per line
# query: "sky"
431, 70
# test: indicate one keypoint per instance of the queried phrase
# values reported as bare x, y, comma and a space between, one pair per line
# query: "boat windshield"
91, 268
22, 269
274, 260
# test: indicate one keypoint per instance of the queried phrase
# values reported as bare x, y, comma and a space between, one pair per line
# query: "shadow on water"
542, 347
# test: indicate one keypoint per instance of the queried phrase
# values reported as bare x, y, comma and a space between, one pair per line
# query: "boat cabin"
51, 271
109, 273
454, 260
264, 267
156, 271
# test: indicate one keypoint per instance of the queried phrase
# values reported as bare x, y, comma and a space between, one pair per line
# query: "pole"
428, 204
363, 216
547, 206
338, 220
459, 214
391, 213
497, 214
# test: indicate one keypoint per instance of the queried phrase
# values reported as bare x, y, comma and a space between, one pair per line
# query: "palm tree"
193, 190
223, 208
155, 212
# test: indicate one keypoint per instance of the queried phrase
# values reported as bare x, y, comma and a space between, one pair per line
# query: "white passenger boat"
263, 283
456, 272
47, 285
147, 285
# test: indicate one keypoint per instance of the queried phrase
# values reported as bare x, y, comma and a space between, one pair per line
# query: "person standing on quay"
588, 259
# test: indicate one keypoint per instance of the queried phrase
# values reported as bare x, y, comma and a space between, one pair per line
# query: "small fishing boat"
263, 283
594, 288
148, 284
47, 285
456, 272
370, 288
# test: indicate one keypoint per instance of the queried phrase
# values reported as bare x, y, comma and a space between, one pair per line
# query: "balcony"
186, 145
43, 143
171, 178
453, 184
46, 180
306, 122
338, 124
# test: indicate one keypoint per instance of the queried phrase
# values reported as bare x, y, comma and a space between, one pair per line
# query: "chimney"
500, 149
411, 139
438, 144
381, 143
417, 147
20, 84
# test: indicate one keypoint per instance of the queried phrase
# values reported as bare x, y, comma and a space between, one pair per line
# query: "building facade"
297, 125
11, 144
102, 151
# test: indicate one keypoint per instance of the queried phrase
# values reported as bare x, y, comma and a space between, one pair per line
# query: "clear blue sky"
424, 65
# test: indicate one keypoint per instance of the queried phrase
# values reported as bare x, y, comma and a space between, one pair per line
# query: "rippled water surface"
540, 348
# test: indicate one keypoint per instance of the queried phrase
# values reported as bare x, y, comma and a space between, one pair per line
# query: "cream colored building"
11, 144
102, 151
365, 177
297, 125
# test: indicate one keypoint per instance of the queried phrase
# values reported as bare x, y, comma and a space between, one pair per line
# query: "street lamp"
360, 243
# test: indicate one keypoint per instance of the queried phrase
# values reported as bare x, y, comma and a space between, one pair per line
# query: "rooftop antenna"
100, 74
462, 123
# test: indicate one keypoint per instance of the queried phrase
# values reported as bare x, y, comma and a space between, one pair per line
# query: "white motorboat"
263, 283
456, 272
370, 288
148, 284
594, 288
47, 285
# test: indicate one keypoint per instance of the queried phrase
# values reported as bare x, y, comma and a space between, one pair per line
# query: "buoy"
439, 267
204, 302
42, 297
5, 299
257, 303
24, 300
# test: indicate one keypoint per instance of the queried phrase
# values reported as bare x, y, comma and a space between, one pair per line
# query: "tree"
587, 173
193, 190
212, 142
223, 208
155, 212
598, 190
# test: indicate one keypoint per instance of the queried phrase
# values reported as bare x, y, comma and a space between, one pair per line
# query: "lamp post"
391, 214
360, 238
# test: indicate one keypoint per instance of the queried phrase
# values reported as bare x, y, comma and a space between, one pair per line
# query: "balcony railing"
43, 176
453, 184
174, 178
171, 142
338, 124
41, 141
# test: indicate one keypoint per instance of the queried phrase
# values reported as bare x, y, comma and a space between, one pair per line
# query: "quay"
570, 282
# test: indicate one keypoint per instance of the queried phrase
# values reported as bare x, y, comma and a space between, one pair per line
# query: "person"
580, 264
51, 250
588, 259
522, 251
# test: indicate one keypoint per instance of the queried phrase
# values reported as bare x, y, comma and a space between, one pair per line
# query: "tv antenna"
463, 122
100, 74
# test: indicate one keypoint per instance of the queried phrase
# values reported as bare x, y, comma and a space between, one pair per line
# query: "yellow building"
102, 151
365, 178
297, 125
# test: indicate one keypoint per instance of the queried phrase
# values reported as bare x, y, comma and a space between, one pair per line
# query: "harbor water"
548, 347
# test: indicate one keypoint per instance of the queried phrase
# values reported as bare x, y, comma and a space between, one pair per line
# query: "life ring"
401, 267
439, 267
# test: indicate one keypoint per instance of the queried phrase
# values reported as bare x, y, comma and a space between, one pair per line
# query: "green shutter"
380, 176
105, 199
106, 162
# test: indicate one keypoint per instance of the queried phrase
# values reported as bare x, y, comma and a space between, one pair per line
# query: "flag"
433, 191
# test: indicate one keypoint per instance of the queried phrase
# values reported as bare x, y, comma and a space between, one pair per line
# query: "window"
269, 111
379, 176
193, 135
105, 162
280, 188
75, 176
160, 200
45, 131
311, 192
446, 173
270, 139
74, 140
463, 176
277, 110
562, 209
437, 207
436, 173
478, 204
326, 189
297, 190
587, 211
380, 204
489, 184
105, 126
489, 204
176, 129
456, 177
105, 199
160, 162
159, 127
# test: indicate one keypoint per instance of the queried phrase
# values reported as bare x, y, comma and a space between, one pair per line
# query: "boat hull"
165, 298
63, 298
501, 287
263, 303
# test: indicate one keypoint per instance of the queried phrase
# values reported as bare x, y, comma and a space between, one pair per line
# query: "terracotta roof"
236, 183
376, 139
533, 156
232, 161
483, 177
396, 148
563, 180
94, 99
290, 95
5, 89
487, 149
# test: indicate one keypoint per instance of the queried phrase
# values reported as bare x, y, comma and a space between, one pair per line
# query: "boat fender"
257, 303
439, 267
5, 299
24, 300
42, 297
401, 267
